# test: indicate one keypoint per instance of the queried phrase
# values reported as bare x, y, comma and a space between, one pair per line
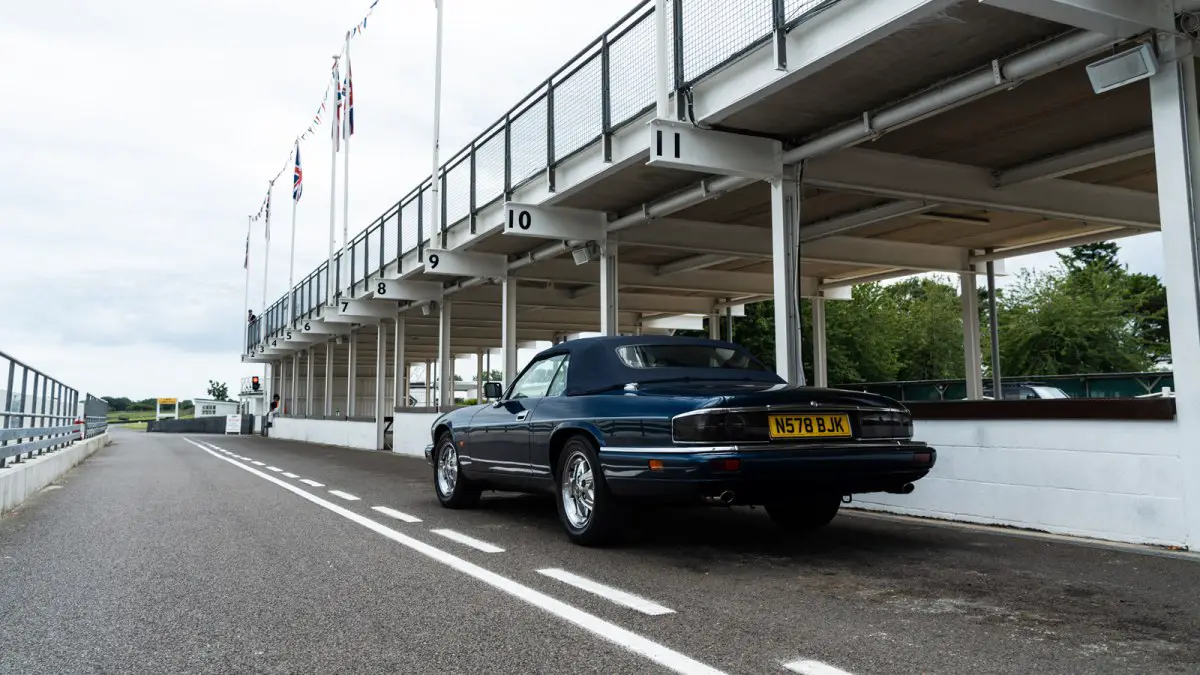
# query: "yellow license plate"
809, 426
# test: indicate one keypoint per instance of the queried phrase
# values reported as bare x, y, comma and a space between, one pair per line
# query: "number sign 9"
434, 259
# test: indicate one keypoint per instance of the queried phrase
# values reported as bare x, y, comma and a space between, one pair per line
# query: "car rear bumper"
760, 475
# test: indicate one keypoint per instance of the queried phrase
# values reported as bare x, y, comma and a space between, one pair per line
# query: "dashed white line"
255, 462
309, 481
290, 475
469, 541
621, 637
344, 495
608, 592
274, 468
398, 515
810, 667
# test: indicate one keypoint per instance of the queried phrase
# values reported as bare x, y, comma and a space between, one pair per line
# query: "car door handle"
522, 415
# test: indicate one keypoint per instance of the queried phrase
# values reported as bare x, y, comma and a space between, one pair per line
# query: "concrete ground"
160, 555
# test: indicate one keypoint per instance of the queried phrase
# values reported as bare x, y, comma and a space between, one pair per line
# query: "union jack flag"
349, 131
297, 177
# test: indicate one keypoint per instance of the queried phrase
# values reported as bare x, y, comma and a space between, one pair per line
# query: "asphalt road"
162, 554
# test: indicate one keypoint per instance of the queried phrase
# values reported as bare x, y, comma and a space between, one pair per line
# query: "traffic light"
254, 383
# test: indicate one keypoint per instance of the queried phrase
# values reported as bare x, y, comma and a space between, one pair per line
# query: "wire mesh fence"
608, 84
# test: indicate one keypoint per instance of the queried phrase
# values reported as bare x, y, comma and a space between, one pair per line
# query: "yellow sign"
166, 401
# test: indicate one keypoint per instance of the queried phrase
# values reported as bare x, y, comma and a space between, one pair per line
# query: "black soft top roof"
595, 365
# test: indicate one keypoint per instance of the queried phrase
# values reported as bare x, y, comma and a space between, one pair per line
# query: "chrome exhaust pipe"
724, 499
905, 489
727, 497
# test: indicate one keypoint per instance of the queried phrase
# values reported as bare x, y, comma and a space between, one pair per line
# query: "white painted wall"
359, 435
410, 433
1114, 480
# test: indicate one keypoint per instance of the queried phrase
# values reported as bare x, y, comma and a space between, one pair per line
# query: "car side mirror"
492, 390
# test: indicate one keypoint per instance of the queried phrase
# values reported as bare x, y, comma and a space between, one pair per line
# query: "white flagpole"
292, 248
436, 222
267, 251
346, 175
331, 280
246, 308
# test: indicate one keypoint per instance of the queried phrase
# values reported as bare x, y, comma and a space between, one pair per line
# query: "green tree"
1101, 256
1055, 323
218, 391
1148, 311
118, 403
929, 325
493, 375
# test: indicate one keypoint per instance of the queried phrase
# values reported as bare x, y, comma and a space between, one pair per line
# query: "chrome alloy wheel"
447, 474
578, 491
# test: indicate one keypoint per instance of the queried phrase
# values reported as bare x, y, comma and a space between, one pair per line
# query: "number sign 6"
307, 327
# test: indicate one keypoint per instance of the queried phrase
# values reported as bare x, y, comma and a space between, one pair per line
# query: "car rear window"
687, 356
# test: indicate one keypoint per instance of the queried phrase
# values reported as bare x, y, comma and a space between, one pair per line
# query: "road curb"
18, 482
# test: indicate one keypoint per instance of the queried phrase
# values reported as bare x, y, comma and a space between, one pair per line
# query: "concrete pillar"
399, 367
509, 328
351, 373
328, 400
294, 406
430, 398
381, 410
1176, 121
728, 323
820, 348
971, 345
609, 293
445, 358
282, 391
994, 328
785, 251
714, 325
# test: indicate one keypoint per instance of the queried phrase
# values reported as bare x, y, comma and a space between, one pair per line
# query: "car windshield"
687, 356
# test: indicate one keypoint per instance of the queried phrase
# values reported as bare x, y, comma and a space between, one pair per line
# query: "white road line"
809, 667
309, 481
290, 475
398, 515
621, 637
344, 495
608, 592
274, 468
469, 541
255, 462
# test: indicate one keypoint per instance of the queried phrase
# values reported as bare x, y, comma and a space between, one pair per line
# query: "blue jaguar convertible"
606, 423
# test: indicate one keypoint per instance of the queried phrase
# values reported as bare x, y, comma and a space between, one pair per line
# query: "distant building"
207, 407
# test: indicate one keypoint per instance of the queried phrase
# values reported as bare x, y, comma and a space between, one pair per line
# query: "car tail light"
726, 464
719, 427
885, 424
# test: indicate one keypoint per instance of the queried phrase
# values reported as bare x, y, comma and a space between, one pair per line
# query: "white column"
284, 407
430, 397
785, 251
328, 401
445, 358
351, 373
609, 292
381, 410
820, 350
509, 329
714, 324
308, 387
1173, 104
399, 371
971, 345
295, 407
479, 375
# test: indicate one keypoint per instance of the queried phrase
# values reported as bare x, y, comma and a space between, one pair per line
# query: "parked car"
603, 423
1024, 391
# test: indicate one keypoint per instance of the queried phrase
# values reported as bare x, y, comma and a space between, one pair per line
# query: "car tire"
805, 514
579, 481
453, 489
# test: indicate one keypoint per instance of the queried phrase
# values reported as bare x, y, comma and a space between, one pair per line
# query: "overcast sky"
145, 133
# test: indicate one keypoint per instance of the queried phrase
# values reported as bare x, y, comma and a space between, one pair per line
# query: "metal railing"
40, 413
607, 85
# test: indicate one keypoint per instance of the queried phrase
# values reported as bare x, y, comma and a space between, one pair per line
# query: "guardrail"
41, 414
607, 85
